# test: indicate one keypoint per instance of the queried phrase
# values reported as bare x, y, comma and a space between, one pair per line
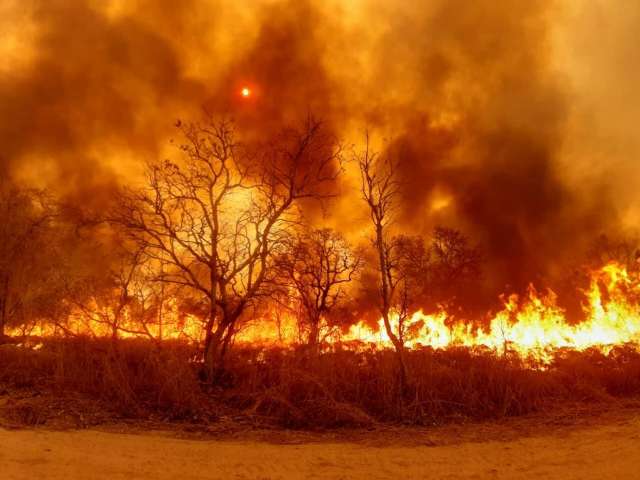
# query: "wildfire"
532, 326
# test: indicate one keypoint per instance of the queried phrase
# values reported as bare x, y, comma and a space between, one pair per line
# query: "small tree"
409, 264
27, 256
454, 266
604, 249
109, 300
380, 188
317, 268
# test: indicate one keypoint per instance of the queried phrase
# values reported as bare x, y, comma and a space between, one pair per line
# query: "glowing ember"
245, 92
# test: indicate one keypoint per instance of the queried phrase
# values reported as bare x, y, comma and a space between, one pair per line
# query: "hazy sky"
515, 121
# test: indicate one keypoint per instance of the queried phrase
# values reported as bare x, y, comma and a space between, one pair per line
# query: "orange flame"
535, 326
532, 326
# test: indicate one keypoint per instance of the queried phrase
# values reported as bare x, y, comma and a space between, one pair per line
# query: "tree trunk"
211, 338
211, 343
217, 349
386, 307
314, 337
218, 344
399, 348
225, 345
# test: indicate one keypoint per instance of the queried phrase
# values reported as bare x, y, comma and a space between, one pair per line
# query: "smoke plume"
469, 97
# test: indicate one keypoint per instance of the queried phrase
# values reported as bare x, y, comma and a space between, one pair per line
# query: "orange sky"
514, 119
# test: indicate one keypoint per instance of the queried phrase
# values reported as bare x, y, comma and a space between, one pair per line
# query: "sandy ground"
600, 451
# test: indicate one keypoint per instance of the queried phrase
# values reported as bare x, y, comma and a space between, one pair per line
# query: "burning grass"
136, 379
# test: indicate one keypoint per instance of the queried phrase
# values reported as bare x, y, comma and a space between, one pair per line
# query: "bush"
340, 388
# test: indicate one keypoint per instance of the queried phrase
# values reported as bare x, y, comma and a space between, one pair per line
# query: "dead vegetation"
132, 379
96, 381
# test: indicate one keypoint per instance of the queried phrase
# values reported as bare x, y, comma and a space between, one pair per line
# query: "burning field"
306, 214
531, 326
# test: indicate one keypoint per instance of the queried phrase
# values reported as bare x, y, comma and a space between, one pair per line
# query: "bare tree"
26, 255
409, 266
318, 267
218, 217
380, 188
604, 249
110, 299
409, 269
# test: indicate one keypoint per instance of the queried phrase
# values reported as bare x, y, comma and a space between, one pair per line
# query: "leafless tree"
318, 267
409, 265
115, 300
380, 188
218, 217
27, 258
623, 250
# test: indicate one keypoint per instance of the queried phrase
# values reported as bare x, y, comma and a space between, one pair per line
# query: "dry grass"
347, 388
342, 388
133, 378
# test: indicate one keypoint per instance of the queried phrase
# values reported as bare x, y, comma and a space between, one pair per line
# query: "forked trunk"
226, 341
217, 343
399, 348
212, 347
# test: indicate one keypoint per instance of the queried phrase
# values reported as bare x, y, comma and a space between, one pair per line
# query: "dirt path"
592, 452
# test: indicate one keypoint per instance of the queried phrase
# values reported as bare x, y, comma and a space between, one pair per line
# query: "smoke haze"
512, 121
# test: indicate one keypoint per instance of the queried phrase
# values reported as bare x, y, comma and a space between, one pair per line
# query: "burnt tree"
218, 216
317, 268
27, 256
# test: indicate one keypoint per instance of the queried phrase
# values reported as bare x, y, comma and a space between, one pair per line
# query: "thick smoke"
284, 70
467, 95
94, 94
478, 117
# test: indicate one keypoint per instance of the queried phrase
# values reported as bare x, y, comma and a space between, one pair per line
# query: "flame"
532, 326
97, 321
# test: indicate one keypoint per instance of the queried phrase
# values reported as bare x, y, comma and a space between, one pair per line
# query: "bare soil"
572, 444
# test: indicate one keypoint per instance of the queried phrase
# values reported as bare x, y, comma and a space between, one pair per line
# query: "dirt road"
592, 452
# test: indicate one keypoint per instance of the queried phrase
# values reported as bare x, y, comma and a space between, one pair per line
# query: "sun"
245, 92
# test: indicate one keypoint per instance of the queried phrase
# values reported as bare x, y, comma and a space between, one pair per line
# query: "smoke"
283, 69
468, 95
96, 88
478, 115
596, 44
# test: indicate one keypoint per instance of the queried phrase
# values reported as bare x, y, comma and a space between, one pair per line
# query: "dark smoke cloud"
465, 92
95, 84
483, 123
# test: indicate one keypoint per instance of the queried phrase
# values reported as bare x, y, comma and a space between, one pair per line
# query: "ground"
584, 445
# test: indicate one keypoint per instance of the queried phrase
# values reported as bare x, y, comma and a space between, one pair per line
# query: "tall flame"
535, 326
